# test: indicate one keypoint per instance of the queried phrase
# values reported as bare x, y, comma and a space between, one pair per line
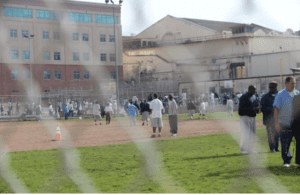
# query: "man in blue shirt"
132, 111
283, 117
248, 108
268, 116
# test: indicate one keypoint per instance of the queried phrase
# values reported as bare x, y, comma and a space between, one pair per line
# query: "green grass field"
203, 164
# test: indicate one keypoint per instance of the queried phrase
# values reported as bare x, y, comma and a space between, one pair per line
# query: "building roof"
213, 25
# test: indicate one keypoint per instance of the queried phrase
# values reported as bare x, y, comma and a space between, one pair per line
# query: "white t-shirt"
108, 109
156, 106
212, 96
203, 106
115, 106
230, 104
96, 109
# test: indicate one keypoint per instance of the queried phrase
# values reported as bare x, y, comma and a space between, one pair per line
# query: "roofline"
190, 22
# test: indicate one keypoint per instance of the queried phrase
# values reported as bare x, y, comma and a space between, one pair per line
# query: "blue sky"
279, 15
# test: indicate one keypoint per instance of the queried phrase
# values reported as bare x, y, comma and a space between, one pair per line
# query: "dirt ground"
26, 136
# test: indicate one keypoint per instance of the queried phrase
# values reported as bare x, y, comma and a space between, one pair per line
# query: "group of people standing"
281, 116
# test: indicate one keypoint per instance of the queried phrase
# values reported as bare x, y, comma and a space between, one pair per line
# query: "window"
56, 55
24, 33
57, 75
113, 75
237, 70
104, 19
56, 35
86, 75
14, 54
14, 74
14, 33
46, 55
75, 36
86, 56
103, 57
26, 74
112, 57
45, 34
76, 75
78, 17
26, 55
75, 56
144, 43
15, 91
102, 38
47, 74
85, 37
48, 15
17, 12
111, 38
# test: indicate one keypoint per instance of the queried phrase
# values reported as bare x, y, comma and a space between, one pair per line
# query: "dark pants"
273, 136
286, 136
71, 113
107, 117
66, 116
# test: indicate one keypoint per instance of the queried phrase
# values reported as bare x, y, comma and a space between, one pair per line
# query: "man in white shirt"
115, 107
202, 110
156, 106
96, 112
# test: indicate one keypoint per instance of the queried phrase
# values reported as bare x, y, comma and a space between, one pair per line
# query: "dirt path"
39, 136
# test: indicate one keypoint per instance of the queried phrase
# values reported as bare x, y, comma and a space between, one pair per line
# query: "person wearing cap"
268, 116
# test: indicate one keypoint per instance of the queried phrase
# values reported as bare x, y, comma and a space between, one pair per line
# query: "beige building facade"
198, 53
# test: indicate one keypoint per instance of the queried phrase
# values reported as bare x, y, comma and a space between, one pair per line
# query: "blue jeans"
66, 116
286, 136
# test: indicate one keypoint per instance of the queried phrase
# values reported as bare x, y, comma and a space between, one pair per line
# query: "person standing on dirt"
173, 115
145, 110
202, 109
268, 116
248, 108
17, 108
108, 110
96, 113
132, 112
156, 122
283, 117
191, 109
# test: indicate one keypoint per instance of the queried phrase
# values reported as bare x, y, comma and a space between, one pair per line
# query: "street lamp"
30, 37
116, 65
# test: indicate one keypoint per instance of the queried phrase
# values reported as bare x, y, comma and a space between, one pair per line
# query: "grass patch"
204, 164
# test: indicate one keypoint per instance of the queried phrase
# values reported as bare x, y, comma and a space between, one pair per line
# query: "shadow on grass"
221, 156
279, 170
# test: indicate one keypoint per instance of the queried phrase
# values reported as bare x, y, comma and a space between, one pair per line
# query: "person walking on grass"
145, 110
108, 110
283, 117
156, 122
191, 109
268, 116
230, 107
96, 113
173, 115
202, 109
132, 112
295, 127
248, 108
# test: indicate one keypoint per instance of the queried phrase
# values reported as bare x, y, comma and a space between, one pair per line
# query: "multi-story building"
67, 44
201, 56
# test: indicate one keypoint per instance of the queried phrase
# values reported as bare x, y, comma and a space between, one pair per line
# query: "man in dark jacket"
248, 108
268, 116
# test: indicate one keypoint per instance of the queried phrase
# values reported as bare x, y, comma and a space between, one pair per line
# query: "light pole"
30, 37
116, 65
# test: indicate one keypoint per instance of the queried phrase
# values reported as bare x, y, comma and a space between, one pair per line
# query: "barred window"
46, 55
56, 36
85, 37
57, 75
14, 74
86, 75
26, 55
24, 33
111, 38
56, 55
14, 54
102, 38
76, 75
45, 34
13, 33
47, 74
75, 36
75, 56
112, 57
103, 57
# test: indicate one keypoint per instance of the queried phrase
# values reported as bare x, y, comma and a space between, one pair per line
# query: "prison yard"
204, 157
